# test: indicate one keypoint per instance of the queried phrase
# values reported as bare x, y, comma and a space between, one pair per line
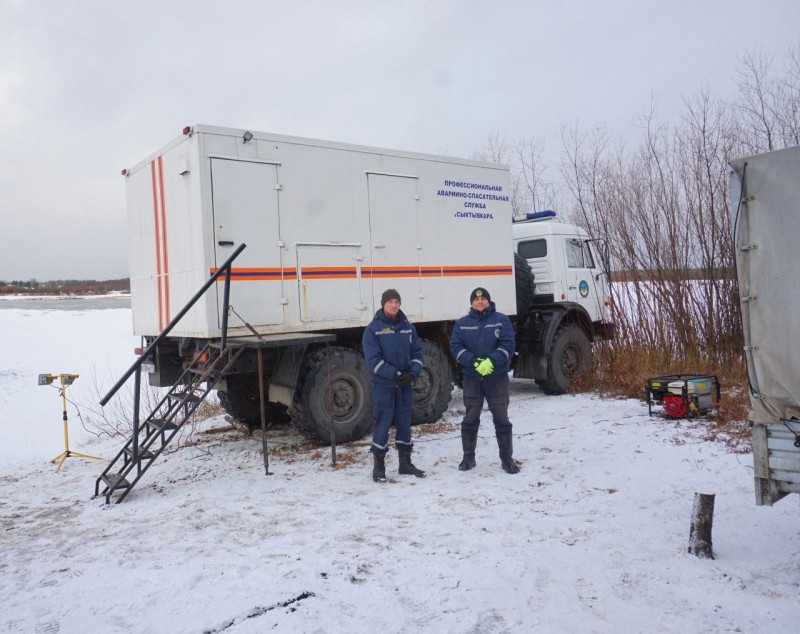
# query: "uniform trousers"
391, 404
495, 390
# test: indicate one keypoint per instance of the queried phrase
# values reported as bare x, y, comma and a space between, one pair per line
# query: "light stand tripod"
66, 379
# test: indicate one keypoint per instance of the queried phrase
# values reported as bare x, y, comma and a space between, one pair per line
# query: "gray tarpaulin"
765, 203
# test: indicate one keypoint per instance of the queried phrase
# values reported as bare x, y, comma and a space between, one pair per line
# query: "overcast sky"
90, 87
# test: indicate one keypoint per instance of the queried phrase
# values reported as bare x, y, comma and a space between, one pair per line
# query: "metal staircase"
151, 436
171, 413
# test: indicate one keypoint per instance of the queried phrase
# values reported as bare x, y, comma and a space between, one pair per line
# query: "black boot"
469, 440
379, 467
406, 466
505, 443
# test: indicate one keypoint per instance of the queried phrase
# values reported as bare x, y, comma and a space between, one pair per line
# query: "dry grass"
209, 408
346, 456
115, 420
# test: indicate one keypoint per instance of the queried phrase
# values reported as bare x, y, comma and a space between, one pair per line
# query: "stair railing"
136, 368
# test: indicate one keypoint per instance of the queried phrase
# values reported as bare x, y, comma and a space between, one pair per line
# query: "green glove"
485, 367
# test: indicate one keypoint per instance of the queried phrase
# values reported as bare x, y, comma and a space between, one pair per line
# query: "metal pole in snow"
263, 413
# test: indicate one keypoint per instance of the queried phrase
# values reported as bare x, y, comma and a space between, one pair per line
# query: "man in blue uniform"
394, 354
483, 342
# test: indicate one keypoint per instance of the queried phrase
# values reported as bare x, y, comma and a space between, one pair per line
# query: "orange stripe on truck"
258, 273
349, 272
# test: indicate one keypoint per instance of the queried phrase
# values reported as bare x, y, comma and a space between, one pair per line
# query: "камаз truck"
311, 233
328, 227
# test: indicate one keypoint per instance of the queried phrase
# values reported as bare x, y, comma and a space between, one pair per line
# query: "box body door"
245, 210
329, 282
394, 251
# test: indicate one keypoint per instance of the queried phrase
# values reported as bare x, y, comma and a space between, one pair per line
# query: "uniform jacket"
391, 347
486, 335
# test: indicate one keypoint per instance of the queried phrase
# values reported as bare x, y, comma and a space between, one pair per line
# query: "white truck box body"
328, 228
767, 243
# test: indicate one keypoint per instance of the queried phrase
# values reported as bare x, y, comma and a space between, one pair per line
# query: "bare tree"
663, 211
756, 96
707, 139
770, 103
497, 149
662, 206
536, 192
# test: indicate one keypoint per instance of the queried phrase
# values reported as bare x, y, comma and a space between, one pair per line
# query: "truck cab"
570, 307
567, 265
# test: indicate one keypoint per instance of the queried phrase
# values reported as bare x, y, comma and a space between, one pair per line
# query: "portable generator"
682, 395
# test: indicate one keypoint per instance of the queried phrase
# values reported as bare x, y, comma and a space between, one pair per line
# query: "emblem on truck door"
583, 288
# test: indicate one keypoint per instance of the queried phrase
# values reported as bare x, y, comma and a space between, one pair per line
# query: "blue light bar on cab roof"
536, 215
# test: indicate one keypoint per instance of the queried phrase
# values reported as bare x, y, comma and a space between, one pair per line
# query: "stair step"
143, 455
162, 424
115, 481
190, 397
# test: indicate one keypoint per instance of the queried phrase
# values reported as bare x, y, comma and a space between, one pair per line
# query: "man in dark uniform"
483, 342
394, 354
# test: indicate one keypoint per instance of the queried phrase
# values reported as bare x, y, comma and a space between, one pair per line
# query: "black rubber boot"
505, 443
379, 467
469, 440
406, 466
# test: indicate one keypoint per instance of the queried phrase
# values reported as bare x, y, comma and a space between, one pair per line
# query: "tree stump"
702, 521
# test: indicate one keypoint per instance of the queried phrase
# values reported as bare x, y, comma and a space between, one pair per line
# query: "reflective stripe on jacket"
391, 347
487, 335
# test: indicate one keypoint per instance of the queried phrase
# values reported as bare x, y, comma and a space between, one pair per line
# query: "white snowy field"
591, 535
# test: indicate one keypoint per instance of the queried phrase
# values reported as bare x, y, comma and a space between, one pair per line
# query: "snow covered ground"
591, 536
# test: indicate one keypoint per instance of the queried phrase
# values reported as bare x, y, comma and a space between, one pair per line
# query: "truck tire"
434, 386
570, 355
241, 401
334, 387
525, 284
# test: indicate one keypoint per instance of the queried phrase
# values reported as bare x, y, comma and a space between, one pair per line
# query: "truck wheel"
433, 387
333, 388
571, 354
241, 401
525, 284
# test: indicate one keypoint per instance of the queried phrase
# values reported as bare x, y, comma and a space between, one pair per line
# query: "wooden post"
702, 521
